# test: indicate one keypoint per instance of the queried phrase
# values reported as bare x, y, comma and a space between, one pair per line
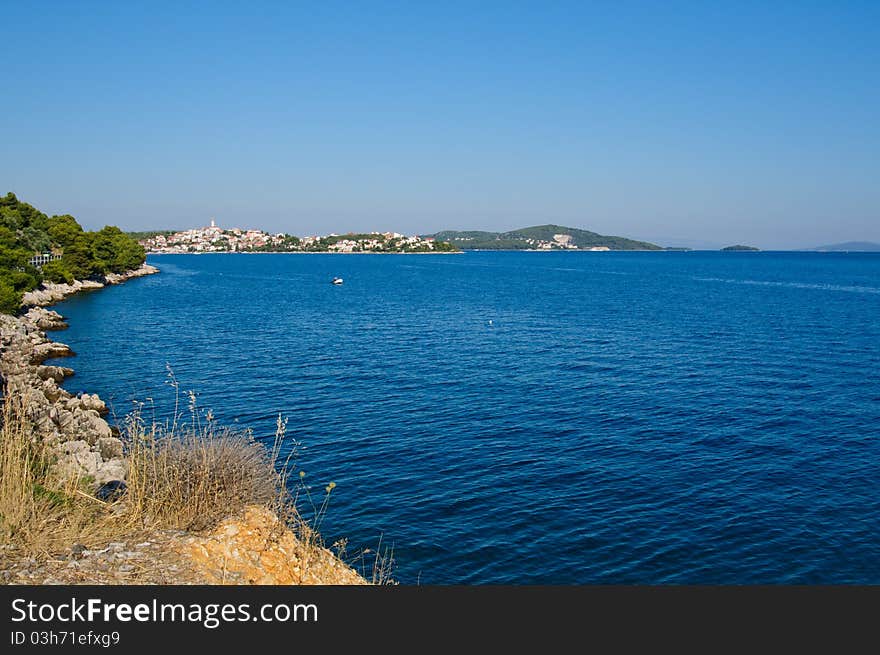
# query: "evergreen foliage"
25, 231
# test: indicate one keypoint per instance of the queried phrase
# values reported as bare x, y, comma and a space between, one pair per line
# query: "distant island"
850, 246
540, 237
740, 248
216, 239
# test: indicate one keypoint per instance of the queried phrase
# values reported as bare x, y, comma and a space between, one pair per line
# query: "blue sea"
557, 418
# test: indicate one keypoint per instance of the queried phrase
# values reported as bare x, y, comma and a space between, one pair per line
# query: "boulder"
79, 463
57, 373
50, 350
90, 426
32, 398
77, 459
44, 425
51, 391
109, 447
74, 447
45, 319
64, 419
94, 403
114, 469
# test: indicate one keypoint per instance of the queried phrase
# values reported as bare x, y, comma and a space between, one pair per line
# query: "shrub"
187, 480
180, 477
194, 479
10, 299
56, 271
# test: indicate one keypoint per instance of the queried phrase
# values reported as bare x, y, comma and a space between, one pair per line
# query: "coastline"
255, 546
51, 293
73, 425
297, 252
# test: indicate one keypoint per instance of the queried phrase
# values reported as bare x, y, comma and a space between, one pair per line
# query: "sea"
532, 417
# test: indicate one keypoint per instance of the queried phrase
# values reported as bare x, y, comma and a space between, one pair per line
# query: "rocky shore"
74, 426
49, 294
255, 548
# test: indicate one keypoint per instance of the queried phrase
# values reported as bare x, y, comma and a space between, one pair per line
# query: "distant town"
213, 238
542, 238
216, 239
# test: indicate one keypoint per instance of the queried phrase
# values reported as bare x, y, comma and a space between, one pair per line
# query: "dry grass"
183, 476
193, 479
41, 514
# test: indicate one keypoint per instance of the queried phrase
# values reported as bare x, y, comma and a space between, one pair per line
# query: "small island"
740, 248
850, 246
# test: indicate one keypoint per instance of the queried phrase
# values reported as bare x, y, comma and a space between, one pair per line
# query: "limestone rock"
57, 373
52, 293
86, 444
259, 549
113, 469
63, 419
50, 350
109, 447
90, 426
45, 319
51, 391
74, 447
94, 403
117, 278
77, 459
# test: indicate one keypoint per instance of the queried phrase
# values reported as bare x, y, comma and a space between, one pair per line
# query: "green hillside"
540, 237
140, 236
26, 231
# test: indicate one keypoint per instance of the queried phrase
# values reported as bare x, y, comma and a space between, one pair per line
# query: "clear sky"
715, 122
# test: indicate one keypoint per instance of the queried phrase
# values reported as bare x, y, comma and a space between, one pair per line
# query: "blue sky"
738, 122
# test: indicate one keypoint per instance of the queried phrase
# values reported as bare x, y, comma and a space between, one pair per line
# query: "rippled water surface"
538, 417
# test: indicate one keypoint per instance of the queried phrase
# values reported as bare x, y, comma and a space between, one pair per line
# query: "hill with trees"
25, 231
540, 237
851, 246
149, 234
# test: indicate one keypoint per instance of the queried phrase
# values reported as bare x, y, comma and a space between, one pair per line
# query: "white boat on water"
337, 280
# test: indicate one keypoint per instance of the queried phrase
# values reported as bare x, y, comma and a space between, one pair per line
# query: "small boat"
337, 280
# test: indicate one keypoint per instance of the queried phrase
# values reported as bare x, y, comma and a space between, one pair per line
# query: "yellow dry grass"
191, 478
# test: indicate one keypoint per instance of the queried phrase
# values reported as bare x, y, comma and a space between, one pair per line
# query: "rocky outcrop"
258, 549
50, 350
49, 294
46, 319
246, 550
119, 278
